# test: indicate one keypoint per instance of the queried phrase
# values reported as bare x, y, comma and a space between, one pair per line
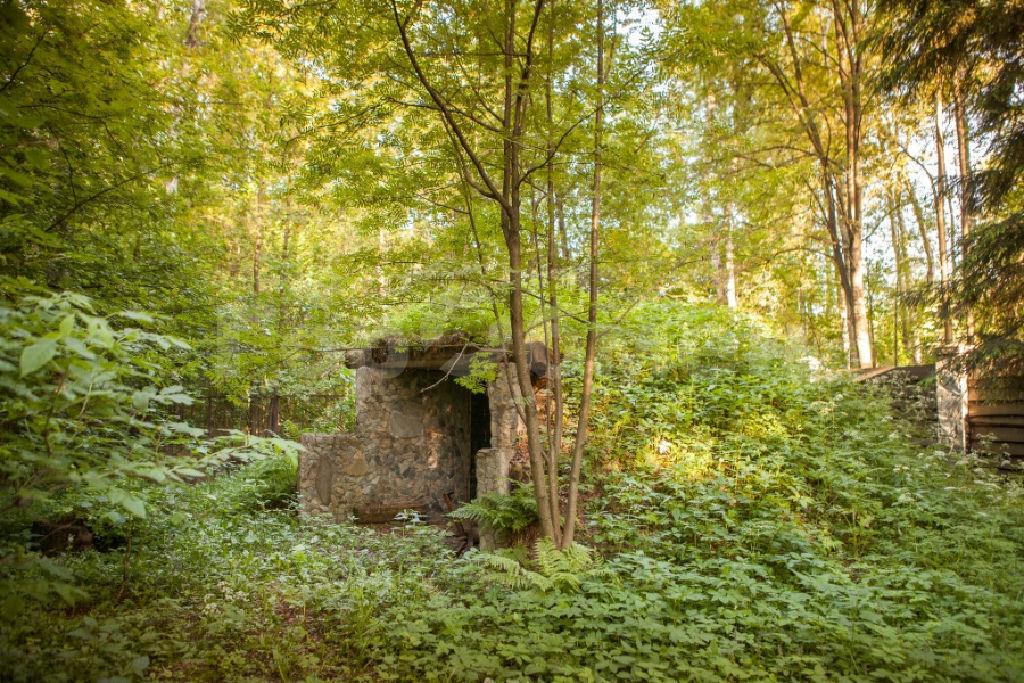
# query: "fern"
515, 575
555, 569
512, 513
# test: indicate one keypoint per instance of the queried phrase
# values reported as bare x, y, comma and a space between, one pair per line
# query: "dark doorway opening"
479, 434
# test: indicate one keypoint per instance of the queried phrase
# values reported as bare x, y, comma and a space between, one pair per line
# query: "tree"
978, 46
811, 64
96, 123
481, 77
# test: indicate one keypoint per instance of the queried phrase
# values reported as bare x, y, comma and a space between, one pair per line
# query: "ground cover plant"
747, 522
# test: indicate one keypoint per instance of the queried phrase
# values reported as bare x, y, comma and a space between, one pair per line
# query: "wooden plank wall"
995, 416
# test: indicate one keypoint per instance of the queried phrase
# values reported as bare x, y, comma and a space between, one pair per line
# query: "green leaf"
67, 325
141, 399
139, 664
129, 502
68, 593
114, 516
137, 316
100, 333
188, 472
37, 355
184, 428
157, 474
78, 346
183, 399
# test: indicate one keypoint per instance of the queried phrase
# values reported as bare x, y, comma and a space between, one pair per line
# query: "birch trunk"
588, 363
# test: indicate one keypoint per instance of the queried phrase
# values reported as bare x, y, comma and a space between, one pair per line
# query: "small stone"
356, 467
406, 420
324, 477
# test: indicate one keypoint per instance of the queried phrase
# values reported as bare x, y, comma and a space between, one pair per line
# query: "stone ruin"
421, 441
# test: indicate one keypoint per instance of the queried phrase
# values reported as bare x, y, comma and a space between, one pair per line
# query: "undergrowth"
747, 521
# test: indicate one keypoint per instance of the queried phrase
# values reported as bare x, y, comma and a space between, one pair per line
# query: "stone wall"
410, 447
330, 468
502, 395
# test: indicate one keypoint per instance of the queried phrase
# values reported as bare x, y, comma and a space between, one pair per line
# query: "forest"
753, 239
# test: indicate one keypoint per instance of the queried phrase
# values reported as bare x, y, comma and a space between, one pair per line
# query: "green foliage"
794, 532
86, 433
73, 386
765, 524
481, 371
746, 518
511, 513
964, 47
97, 118
686, 375
554, 569
226, 582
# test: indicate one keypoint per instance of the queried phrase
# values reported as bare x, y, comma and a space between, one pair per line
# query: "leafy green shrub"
791, 530
511, 513
765, 523
79, 404
85, 435
552, 569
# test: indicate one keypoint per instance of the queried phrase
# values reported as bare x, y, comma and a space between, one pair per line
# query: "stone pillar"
492, 464
951, 395
491, 472
502, 396
491, 477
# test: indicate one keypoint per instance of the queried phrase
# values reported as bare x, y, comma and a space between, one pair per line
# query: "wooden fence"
995, 415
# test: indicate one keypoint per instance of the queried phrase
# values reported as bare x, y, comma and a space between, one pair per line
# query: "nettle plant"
81, 410
85, 426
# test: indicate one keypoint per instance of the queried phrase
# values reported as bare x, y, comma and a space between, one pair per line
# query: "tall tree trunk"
713, 229
845, 234
966, 183
940, 220
896, 329
196, 17
282, 291
563, 233
847, 333
840, 256
922, 230
257, 252
897, 299
235, 258
512, 230
588, 363
848, 29
556, 410
871, 322
952, 215
730, 257
714, 248
903, 269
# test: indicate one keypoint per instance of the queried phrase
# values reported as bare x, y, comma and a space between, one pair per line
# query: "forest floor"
748, 523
